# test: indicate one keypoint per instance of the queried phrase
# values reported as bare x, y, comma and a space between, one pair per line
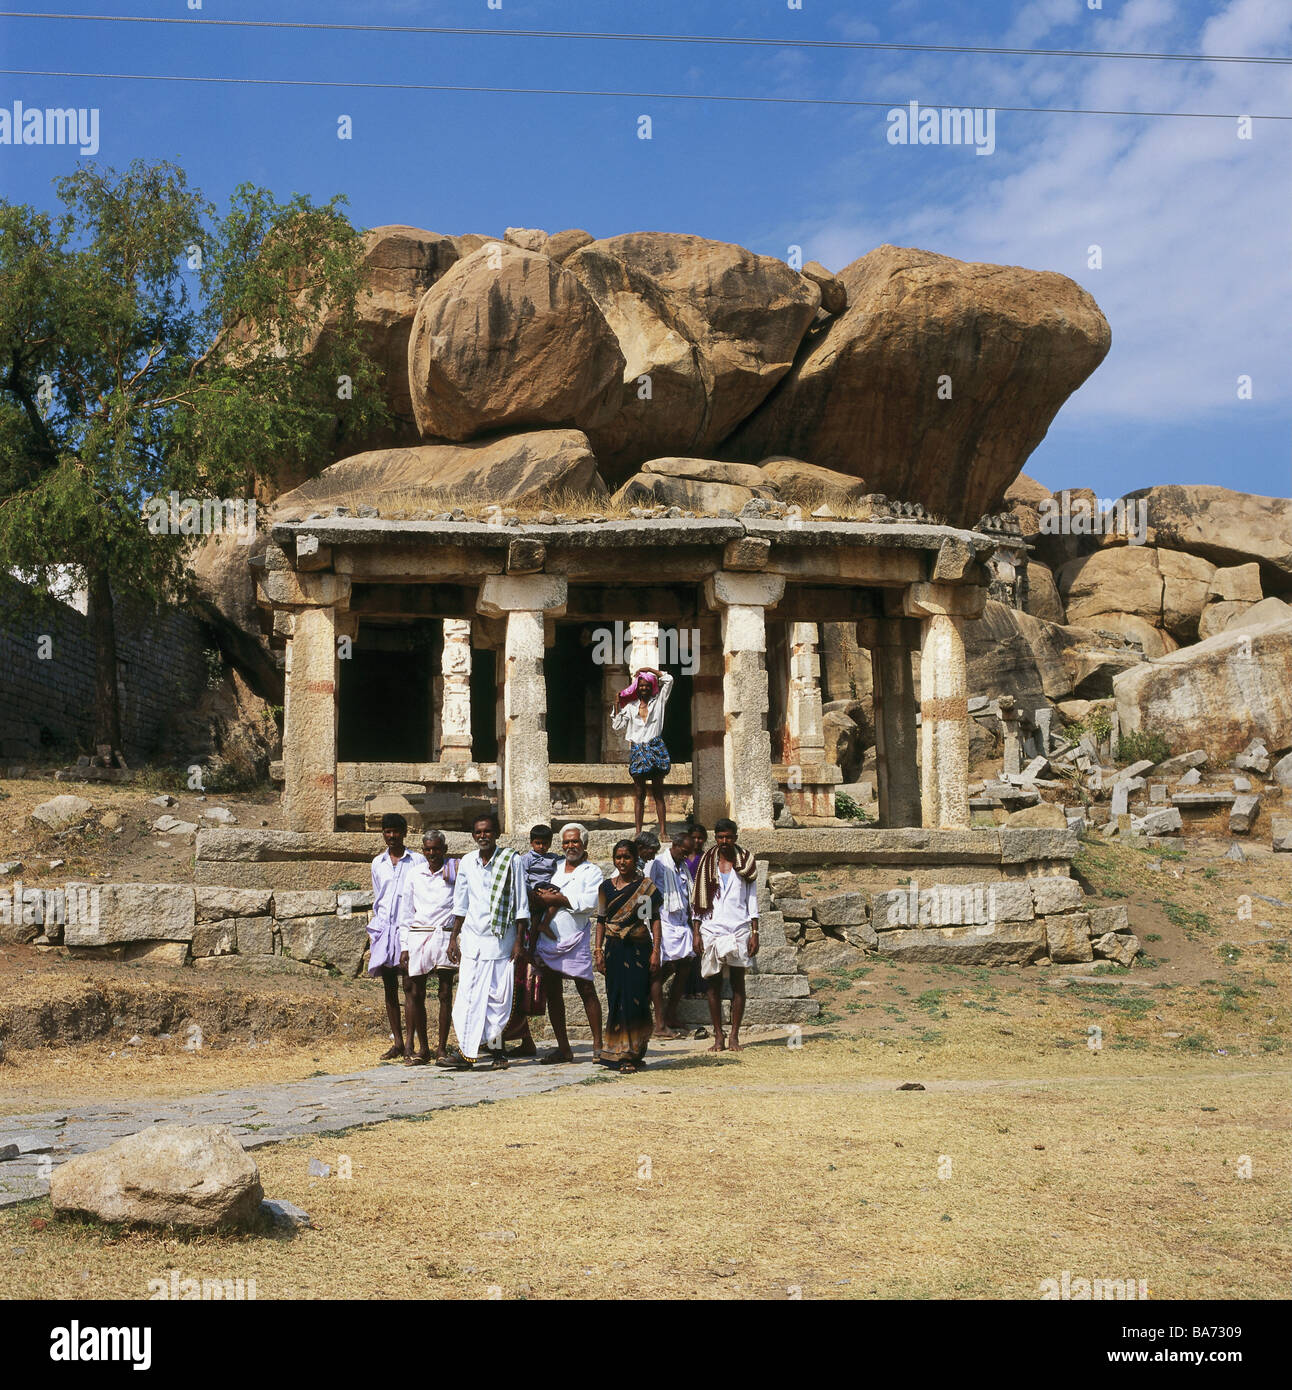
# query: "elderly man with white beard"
563, 940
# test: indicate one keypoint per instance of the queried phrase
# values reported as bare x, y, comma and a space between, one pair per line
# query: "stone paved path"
266, 1114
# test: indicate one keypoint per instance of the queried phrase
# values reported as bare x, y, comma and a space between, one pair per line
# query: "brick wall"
46, 705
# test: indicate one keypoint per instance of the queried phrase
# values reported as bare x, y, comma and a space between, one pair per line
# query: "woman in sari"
627, 952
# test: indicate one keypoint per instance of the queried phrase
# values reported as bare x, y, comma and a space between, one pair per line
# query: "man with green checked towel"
488, 901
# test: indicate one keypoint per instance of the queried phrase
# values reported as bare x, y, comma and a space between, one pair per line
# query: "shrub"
1138, 746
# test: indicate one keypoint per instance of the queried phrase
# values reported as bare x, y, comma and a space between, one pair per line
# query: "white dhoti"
676, 942
428, 950
483, 1003
723, 946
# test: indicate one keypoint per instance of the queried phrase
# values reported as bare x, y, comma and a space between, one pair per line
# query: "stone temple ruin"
439, 665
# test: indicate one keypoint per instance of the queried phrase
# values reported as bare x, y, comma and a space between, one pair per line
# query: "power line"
848, 44
643, 96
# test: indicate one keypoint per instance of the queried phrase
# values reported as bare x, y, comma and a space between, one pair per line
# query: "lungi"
648, 759
723, 946
429, 950
483, 1003
383, 948
571, 958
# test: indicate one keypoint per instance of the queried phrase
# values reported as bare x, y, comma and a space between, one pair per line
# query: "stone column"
944, 699
310, 721
743, 600
455, 707
708, 775
522, 753
804, 713
645, 646
614, 747
1013, 751
891, 641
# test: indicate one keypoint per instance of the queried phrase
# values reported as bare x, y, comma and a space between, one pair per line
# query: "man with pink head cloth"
639, 715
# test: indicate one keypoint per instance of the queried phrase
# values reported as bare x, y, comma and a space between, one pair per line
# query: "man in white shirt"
564, 940
489, 899
724, 900
392, 871
639, 715
668, 872
424, 942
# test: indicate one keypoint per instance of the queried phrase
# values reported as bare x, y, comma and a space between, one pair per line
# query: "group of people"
512, 927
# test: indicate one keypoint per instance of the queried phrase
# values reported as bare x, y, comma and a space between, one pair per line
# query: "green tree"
150, 345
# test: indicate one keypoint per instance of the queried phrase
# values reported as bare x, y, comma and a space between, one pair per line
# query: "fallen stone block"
1134, 770
285, 1215
1044, 814
1181, 764
827, 954
795, 909
1281, 772
1203, 801
59, 812
783, 884
181, 1175
1191, 778
1167, 821
1117, 947
172, 825
1281, 833
1243, 813
1254, 758
862, 937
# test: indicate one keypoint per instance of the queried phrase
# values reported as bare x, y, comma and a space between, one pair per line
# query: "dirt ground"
1100, 1125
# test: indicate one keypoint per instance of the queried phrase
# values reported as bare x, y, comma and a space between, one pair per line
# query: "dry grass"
787, 1171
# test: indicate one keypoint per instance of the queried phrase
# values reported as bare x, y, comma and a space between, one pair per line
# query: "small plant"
1137, 746
845, 808
214, 668
345, 885
1194, 1042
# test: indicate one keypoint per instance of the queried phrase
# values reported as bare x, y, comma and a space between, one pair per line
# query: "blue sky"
1194, 224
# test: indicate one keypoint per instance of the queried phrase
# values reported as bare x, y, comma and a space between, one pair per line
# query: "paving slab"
269, 1114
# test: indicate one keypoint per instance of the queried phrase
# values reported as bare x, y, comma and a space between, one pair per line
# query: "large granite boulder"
166, 1175
1227, 528
514, 468
1218, 694
508, 339
706, 330
809, 484
870, 395
1167, 589
1233, 591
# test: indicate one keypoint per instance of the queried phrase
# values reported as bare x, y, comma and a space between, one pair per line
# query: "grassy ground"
675, 1185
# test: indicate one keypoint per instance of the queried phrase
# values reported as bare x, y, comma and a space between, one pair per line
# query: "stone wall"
48, 703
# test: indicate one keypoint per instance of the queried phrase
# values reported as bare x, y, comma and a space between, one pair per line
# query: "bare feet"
527, 1048
719, 1044
666, 1033
391, 1053
734, 1044
555, 1056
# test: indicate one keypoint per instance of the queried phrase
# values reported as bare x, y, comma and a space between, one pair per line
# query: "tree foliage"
150, 344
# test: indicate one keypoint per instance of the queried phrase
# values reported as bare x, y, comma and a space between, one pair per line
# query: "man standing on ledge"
489, 900
724, 902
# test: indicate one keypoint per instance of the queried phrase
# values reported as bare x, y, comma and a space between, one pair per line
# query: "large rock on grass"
508, 339
706, 330
536, 465
1216, 695
166, 1175
1011, 344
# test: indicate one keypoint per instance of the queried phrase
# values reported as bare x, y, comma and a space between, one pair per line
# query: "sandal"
500, 1062
416, 1060
627, 1068
453, 1060
554, 1058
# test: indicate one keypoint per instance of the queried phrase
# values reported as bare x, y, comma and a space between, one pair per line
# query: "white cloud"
1193, 223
